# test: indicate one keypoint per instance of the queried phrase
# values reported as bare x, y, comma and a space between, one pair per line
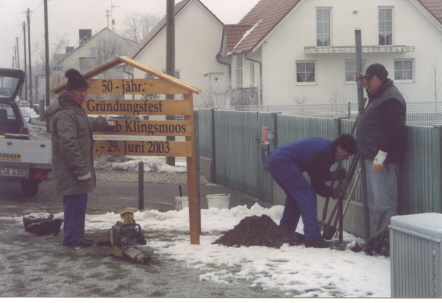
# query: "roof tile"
264, 17
434, 7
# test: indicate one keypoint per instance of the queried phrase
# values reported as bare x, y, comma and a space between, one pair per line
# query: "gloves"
109, 121
339, 191
364, 81
339, 174
85, 180
378, 162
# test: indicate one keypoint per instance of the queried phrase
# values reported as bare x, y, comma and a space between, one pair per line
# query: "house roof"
267, 14
160, 26
434, 7
106, 29
135, 64
234, 33
263, 18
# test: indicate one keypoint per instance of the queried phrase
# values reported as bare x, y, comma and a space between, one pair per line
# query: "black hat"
75, 79
375, 69
347, 142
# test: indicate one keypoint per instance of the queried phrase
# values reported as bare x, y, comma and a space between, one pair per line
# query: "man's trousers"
74, 218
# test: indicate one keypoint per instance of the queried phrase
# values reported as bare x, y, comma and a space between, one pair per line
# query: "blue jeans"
382, 195
74, 218
301, 198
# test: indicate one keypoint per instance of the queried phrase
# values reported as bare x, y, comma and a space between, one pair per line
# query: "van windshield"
8, 86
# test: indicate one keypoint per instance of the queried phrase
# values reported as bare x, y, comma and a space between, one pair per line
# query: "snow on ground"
296, 270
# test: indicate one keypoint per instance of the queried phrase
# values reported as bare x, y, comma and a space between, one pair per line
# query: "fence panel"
264, 185
294, 128
237, 150
421, 171
239, 164
205, 132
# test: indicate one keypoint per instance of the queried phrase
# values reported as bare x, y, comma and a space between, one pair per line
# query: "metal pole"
361, 103
212, 121
25, 61
197, 153
18, 54
170, 59
30, 61
47, 71
140, 185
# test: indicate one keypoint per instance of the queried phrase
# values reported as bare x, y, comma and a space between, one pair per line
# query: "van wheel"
29, 188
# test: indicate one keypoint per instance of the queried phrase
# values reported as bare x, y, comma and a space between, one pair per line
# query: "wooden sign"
133, 86
175, 128
138, 107
161, 84
143, 148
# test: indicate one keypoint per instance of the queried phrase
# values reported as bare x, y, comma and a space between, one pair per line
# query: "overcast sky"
66, 17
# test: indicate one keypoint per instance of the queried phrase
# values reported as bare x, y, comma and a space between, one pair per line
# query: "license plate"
13, 172
10, 157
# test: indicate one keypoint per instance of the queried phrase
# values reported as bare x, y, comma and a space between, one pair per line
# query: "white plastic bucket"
181, 202
218, 200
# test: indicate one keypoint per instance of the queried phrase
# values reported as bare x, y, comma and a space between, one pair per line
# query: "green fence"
233, 140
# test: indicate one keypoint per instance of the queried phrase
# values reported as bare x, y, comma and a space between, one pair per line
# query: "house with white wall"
94, 50
297, 51
198, 33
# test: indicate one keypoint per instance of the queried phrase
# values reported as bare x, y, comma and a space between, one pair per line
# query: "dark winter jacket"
382, 125
72, 156
312, 155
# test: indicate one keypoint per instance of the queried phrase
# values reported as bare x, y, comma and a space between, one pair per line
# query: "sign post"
149, 131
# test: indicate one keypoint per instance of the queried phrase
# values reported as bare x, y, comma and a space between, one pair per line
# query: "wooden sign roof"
138, 65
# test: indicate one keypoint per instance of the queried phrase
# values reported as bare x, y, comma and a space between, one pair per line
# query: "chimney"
69, 49
85, 35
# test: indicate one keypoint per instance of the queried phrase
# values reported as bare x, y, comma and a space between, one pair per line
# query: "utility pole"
47, 71
107, 16
361, 103
18, 53
25, 62
14, 62
170, 59
30, 61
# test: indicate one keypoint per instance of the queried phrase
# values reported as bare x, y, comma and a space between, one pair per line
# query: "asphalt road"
110, 196
35, 266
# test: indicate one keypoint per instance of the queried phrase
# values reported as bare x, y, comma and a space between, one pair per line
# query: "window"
385, 26
305, 72
239, 70
403, 69
252, 73
350, 70
322, 27
86, 63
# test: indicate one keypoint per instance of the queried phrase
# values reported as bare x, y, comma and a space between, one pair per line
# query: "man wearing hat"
72, 156
381, 136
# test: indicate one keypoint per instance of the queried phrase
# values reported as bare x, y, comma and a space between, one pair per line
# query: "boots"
317, 243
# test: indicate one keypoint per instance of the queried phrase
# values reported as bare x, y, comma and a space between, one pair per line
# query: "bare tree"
138, 25
435, 78
337, 96
301, 98
39, 52
221, 95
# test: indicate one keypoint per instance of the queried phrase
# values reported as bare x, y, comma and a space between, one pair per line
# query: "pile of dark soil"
258, 231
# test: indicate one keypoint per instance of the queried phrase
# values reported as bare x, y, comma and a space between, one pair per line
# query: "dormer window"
323, 27
385, 26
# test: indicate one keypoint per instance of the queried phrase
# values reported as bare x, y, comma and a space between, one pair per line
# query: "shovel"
330, 230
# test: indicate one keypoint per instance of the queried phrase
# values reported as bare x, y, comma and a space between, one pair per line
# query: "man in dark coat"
72, 156
381, 134
314, 156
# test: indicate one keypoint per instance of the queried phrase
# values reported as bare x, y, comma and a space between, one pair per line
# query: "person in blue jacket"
315, 156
